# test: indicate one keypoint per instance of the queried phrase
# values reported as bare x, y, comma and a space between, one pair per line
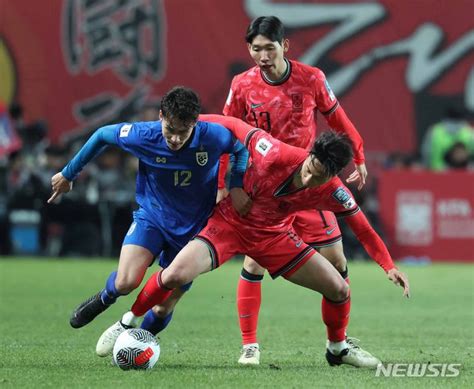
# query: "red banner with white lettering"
428, 214
395, 66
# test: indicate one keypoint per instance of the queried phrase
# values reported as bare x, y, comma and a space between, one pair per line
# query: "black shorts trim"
291, 264
325, 243
212, 250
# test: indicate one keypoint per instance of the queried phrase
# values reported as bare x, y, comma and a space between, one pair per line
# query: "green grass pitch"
201, 346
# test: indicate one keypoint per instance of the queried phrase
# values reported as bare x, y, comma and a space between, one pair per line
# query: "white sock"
129, 319
251, 345
337, 347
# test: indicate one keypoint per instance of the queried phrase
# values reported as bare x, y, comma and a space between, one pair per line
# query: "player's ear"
249, 47
161, 115
286, 45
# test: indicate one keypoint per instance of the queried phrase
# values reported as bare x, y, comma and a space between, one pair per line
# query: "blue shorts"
143, 233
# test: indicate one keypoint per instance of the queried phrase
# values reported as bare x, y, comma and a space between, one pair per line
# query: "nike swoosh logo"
253, 106
244, 316
329, 232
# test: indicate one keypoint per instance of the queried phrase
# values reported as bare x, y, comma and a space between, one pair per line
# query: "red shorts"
317, 228
281, 253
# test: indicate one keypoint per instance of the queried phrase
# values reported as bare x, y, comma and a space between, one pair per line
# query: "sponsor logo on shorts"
329, 232
124, 130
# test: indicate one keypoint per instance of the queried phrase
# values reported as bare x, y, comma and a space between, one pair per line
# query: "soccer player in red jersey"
280, 180
283, 97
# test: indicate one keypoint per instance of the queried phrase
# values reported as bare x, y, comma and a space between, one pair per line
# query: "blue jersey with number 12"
176, 189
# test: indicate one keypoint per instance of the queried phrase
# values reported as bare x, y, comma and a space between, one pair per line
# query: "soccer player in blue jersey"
176, 191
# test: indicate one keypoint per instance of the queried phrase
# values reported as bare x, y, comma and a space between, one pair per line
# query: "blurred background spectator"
449, 143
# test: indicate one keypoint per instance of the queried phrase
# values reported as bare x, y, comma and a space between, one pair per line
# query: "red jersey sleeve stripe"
348, 213
249, 135
334, 107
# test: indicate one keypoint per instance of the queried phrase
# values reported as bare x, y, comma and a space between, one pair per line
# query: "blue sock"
155, 324
109, 294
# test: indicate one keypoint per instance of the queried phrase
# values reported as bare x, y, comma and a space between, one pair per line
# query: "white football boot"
106, 342
353, 355
250, 355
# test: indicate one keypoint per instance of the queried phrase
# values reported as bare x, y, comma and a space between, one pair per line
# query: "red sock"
153, 293
249, 298
336, 318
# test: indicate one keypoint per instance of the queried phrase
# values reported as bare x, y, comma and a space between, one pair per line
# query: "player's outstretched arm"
377, 249
239, 128
62, 182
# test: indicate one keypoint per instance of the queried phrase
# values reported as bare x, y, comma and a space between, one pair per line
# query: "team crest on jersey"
202, 158
124, 130
160, 159
329, 90
344, 198
263, 146
297, 102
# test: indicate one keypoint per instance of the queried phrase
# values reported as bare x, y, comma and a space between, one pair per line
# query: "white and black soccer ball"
136, 349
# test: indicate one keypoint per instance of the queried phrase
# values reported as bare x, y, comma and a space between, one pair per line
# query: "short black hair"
333, 150
181, 103
269, 26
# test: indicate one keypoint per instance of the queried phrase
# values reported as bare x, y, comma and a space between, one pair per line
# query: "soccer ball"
136, 349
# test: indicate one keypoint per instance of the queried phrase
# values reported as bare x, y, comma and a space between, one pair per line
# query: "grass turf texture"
200, 348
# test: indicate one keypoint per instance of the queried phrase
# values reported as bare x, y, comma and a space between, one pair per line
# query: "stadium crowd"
99, 209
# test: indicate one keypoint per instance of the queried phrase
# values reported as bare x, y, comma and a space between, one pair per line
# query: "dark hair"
181, 103
333, 150
269, 26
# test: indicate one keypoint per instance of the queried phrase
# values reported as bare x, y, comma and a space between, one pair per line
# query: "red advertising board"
394, 65
428, 214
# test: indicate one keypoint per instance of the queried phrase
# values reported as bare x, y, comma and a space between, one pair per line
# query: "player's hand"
221, 194
399, 278
241, 201
59, 186
360, 174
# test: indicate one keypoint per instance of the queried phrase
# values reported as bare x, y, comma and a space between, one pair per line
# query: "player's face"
176, 132
269, 56
313, 172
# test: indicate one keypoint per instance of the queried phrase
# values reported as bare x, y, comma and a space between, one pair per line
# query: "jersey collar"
285, 188
283, 78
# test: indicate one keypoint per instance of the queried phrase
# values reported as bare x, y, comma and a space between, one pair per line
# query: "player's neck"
297, 183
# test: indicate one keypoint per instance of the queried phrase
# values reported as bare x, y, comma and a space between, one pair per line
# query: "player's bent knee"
253, 267
340, 292
174, 278
126, 285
